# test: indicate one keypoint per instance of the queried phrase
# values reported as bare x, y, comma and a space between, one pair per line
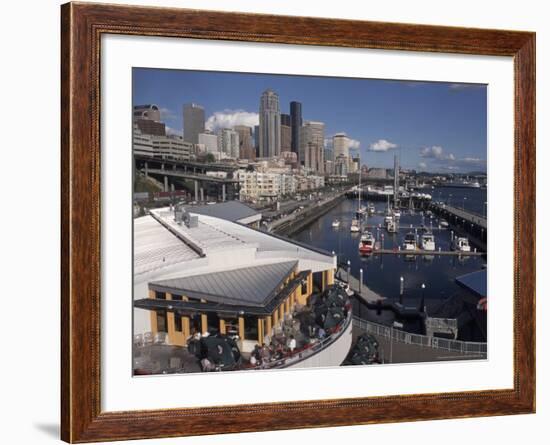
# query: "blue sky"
432, 126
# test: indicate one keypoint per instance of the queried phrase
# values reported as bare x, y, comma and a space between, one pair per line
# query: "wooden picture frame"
82, 26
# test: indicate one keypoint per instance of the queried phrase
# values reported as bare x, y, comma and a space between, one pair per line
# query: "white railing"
463, 347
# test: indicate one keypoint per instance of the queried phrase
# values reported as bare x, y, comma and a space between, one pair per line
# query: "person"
267, 339
292, 344
253, 360
321, 333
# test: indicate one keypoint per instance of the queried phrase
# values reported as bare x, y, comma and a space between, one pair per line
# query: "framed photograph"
278, 222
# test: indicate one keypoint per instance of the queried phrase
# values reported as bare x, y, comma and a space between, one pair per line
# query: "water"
382, 273
472, 200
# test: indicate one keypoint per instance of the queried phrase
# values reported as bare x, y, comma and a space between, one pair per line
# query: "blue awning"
475, 282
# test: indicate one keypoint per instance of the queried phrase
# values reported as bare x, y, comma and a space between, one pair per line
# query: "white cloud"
354, 144
167, 114
422, 165
436, 152
230, 118
382, 145
174, 131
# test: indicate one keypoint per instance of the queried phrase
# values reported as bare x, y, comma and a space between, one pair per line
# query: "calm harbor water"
382, 273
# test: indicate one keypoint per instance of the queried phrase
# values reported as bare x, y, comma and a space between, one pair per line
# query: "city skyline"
437, 127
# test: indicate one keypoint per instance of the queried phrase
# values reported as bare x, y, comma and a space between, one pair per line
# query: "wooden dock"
426, 252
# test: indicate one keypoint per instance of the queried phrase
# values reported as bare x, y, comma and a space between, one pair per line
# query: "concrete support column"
172, 188
166, 183
146, 169
223, 192
196, 190
241, 328
202, 194
260, 331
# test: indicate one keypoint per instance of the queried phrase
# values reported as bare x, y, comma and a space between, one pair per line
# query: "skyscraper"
340, 145
228, 142
296, 125
246, 147
270, 125
286, 133
193, 122
312, 146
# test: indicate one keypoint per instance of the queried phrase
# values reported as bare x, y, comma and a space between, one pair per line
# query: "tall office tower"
246, 145
257, 140
193, 122
228, 142
147, 119
270, 125
296, 125
340, 145
286, 133
312, 146
209, 141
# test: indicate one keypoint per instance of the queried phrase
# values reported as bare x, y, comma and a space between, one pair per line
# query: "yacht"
366, 244
336, 223
354, 225
397, 213
427, 241
391, 225
409, 243
461, 244
443, 223
370, 208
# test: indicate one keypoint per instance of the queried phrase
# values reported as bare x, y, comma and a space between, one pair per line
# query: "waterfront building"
259, 185
246, 144
312, 146
228, 142
354, 165
193, 122
210, 142
206, 275
296, 126
329, 167
378, 173
234, 211
270, 125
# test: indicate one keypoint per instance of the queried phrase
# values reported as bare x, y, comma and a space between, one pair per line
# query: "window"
250, 328
304, 287
162, 326
177, 321
160, 295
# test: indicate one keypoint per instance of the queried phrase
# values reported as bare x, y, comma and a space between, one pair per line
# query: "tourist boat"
397, 213
336, 223
460, 244
427, 241
409, 243
355, 225
370, 208
366, 244
443, 223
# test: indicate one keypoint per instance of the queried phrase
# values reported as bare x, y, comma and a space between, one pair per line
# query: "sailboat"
361, 209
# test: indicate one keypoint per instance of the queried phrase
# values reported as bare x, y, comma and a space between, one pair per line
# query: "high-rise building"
257, 140
296, 126
228, 142
270, 125
286, 133
340, 145
312, 146
150, 112
147, 119
193, 122
246, 145
209, 141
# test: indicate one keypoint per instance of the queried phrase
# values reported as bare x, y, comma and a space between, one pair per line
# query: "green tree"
210, 158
